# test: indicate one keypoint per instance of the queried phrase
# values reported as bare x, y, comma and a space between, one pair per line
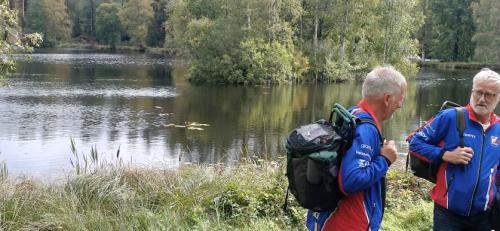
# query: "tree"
57, 19
35, 17
11, 38
453, 28
83, 16
156, 31
400, 22
135, 16
49, 17
424, 35
487, 37
108, 26
353, 34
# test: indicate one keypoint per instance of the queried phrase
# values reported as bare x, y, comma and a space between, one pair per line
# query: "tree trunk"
315, 40
457, 38
423, 52
21, 11
249, 25
301, 28
92, 18
343, 33
388, 32
270, 21
301, 36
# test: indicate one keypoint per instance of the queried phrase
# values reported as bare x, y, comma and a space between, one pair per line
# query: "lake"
143, 106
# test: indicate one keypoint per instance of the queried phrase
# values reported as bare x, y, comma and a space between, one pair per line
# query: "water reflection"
121, 101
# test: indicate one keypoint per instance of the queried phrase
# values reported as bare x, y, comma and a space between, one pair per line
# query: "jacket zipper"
478, 174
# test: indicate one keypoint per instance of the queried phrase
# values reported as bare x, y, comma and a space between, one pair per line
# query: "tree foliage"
135, 16
108, 23
338, 38
452, 30
487, 37
49, 17
156, 31
250, 42
11, 38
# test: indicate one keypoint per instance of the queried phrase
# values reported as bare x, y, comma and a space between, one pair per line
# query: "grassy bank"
244, 197
458, 65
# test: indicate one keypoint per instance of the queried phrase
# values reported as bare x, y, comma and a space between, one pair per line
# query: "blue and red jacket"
463, 189
361, 179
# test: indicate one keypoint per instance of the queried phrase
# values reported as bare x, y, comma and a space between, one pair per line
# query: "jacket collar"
472, 115
363, 105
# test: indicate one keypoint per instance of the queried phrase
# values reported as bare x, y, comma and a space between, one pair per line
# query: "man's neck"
377, 107
483, 119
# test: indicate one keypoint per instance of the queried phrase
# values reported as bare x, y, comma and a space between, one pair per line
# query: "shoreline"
107, 48
457, 65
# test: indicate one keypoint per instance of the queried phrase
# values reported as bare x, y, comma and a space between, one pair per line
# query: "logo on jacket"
469, 135
363, 163
494, 140
366, 146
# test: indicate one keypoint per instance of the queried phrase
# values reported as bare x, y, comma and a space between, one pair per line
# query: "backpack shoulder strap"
460, 124
369, 121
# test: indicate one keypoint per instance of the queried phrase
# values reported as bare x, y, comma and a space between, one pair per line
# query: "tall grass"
194, 197
247, 196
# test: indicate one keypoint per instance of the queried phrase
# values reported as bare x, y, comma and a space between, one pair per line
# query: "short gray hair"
382, 80
486, 74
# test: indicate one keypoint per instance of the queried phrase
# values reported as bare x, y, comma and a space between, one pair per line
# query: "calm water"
131, 102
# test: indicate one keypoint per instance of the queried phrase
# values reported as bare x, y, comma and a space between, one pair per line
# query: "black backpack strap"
370, 121
460, 124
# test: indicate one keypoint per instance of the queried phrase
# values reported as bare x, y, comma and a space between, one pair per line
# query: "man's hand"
459, 155
389, 150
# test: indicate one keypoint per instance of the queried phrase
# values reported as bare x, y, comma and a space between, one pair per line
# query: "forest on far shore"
272, 41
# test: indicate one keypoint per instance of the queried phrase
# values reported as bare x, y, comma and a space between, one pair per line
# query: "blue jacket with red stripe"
361, 179
463, 189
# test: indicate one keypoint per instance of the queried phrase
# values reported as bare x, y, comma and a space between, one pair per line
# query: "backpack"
314, 152
422, 168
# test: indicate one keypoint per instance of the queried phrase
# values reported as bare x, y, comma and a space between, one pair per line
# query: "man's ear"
386, 98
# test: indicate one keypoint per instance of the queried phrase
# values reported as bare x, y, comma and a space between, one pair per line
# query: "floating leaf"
195, 128
195, 124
